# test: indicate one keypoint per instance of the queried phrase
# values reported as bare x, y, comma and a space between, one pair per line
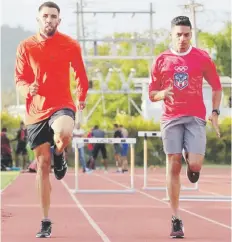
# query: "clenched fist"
33, 88
168, 94
80, 106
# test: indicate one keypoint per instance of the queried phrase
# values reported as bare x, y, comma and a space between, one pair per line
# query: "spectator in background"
21, 148
118, 148
79, 133
90, 163
6, 152
124, 150
98, 133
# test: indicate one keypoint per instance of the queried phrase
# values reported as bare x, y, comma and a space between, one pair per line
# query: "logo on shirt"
181, 77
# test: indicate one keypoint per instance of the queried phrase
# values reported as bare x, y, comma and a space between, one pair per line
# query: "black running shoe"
46, 229
177, 228
60, 166
192, 175
124, 170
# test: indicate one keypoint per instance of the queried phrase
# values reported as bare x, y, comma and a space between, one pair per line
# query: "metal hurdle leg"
125, 191
199, 198
206, 198
76, 167
132, 149
145, 161
163, 188
183, 188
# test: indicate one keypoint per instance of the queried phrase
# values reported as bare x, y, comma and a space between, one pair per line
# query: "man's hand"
80, 106
162, 95
33, 88
168, 94
214, 120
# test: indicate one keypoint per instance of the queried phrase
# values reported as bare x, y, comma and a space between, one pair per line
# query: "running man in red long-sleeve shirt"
177, 78
42, 76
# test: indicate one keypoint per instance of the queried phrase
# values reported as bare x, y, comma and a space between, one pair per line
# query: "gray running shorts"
186, 133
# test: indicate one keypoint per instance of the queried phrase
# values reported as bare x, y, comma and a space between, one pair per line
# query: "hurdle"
197, 198
130, 141
147, 134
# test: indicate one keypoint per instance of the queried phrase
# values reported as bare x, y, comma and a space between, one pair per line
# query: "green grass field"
7, 177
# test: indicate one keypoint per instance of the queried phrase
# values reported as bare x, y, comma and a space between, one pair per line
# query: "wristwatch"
217, 111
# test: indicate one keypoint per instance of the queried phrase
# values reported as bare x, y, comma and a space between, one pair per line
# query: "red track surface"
139, 217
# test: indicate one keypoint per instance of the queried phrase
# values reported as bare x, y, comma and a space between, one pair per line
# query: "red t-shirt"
48, 62
185, 73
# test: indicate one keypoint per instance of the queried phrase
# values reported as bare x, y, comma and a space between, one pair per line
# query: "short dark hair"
96, 127
116, 125
49, 5
181, 20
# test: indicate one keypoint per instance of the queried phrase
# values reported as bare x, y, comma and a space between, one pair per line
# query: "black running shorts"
40, 133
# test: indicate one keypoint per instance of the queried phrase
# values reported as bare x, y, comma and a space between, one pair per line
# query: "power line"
80, 12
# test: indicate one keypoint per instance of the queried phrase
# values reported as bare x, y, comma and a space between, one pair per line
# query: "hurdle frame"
198, 198
147, 134
130, 141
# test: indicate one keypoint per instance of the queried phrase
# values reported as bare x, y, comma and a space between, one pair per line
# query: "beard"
49, 30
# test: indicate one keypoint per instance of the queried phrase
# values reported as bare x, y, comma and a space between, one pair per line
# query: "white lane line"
182, 209
1, 191
88, 206
199, 190
87, 216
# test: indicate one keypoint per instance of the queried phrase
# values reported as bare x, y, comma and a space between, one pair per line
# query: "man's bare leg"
105, 163
25, 161
194, 163
17, 160
173, 182
43, 157
173, 185
118, 162
63, 128
124, 163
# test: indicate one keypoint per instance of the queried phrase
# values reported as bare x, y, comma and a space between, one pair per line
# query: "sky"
23, 13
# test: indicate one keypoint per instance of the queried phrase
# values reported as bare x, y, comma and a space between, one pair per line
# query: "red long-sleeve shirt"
48, 62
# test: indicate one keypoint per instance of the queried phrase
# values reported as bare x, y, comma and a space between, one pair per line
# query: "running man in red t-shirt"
42, 76
177, 78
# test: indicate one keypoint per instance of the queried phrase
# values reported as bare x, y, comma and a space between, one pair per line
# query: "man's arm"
23, 73
212, 77
216, 99
80, 74
154, 84
155, 94
17, 136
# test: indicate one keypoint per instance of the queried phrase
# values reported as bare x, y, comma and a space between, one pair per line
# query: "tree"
221, 44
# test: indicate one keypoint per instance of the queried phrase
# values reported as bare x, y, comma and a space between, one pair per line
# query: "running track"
139, 217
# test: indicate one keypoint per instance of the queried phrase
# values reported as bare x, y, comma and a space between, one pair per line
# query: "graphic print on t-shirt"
181, 77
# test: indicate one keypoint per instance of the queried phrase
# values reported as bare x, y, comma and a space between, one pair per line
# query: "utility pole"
78, 22
83, 26
192, 7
